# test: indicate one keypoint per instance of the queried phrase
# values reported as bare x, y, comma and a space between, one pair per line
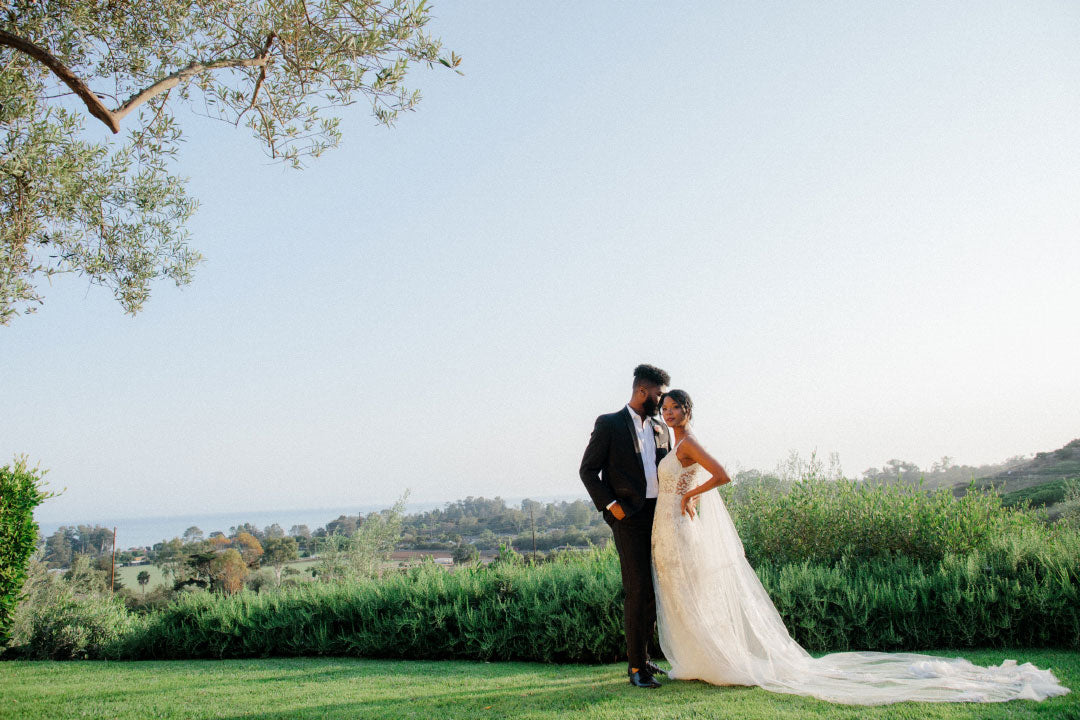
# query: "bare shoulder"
697, 452
692, 445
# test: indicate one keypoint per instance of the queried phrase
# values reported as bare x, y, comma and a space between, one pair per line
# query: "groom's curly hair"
652, 375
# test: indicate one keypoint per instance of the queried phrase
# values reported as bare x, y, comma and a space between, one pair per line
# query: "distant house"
139, 560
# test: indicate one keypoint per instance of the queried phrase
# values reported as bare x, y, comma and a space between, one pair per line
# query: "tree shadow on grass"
465, 690
327, 688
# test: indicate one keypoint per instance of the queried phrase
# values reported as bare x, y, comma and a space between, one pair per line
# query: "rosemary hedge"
849, 566
1017, 594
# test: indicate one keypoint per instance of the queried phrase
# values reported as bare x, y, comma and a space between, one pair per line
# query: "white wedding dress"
718, 624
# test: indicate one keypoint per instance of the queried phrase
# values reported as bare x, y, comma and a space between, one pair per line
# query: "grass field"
129, 574
326, 688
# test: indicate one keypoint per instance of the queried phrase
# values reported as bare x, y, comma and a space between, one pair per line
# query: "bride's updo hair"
682, 399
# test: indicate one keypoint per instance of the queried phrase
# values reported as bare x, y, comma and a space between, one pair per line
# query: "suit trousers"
633, 540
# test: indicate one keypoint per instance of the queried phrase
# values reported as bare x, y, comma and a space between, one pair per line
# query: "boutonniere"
658, 428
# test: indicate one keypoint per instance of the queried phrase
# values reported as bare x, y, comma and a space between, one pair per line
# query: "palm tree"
143, 577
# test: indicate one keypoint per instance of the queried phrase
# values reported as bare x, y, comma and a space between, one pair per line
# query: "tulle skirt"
717, 624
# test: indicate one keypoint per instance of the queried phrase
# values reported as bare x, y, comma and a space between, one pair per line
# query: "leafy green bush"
825, 522
1070, 506
76, 626
848, 568
1022, 591
20, 493
65, 618
558, 612
361, 554
1037, 496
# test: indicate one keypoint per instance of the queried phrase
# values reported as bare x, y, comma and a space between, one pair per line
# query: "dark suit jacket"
611, 467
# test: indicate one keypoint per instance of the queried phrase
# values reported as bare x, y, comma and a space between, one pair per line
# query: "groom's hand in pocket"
617, 511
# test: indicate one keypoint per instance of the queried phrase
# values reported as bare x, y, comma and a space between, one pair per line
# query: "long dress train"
717, 624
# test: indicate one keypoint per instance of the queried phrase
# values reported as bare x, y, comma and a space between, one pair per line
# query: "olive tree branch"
112, 118
170, 81
73, 81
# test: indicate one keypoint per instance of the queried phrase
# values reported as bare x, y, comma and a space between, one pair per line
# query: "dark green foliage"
1041, 479
824, 522
74, 626
69, 616
848, 566
486, 523
20, 493
1036, 496
1022, 592
556, 612
1052, 465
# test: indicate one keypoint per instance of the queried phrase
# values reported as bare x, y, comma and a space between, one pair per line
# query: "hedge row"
1021, 593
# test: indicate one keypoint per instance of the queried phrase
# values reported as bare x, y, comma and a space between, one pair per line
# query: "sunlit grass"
373, 689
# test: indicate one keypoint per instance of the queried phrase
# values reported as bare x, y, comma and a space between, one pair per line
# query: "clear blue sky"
849, 227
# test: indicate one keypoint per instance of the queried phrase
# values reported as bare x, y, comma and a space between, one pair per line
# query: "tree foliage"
143, 578
361, 554
115, 212
277, 551
20, 492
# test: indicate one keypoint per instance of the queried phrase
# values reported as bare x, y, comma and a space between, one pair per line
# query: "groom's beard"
649, 407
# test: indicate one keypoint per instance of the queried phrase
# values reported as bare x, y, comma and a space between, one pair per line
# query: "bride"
717, 623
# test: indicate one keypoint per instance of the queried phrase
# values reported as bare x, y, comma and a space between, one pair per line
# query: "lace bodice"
674, 478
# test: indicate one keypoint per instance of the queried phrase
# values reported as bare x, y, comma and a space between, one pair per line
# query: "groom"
619, 471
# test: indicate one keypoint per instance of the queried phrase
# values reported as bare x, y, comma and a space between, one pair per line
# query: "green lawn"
371, 689
129, 577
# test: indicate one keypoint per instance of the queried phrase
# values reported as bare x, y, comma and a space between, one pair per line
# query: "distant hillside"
1040, 480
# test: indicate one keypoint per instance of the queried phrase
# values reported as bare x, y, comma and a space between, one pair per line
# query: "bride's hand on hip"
689, 505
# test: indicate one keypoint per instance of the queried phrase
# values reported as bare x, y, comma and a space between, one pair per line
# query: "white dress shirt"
647, 443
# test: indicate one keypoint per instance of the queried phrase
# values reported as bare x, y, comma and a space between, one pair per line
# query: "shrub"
20, 493
1070, 506
560, 612
142, 603
962, 585
1037, 496
77, 626
361, 554
1022, 591
825, 522
61, 620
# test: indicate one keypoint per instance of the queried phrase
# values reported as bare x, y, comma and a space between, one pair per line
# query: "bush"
826, 522
142, 603
20, 493
558, 612
1070, 506
1021, 592
61, 620
1037, 496
933, 572
74, 626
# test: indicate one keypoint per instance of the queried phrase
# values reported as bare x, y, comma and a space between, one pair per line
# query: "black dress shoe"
643, 679
654, 670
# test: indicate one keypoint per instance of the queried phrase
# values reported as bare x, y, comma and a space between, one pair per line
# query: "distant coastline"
145, 531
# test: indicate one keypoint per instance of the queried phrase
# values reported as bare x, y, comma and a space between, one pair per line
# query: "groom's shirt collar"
647, 443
